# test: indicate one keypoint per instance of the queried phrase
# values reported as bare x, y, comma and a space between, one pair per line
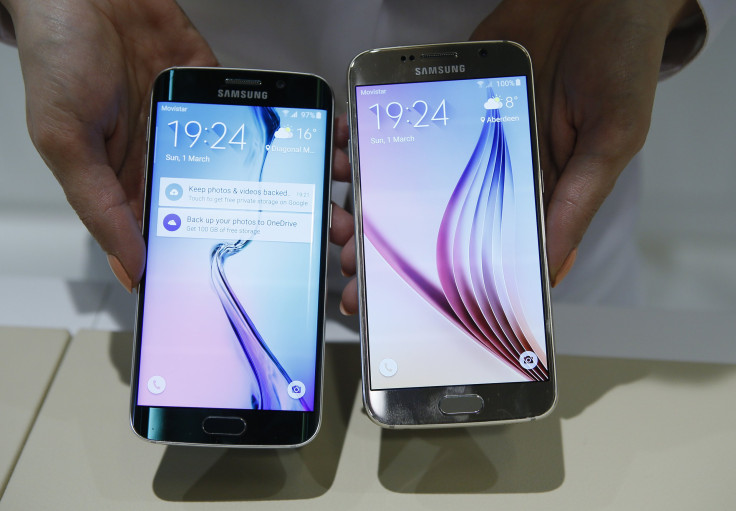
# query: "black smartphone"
456, 324
230, 318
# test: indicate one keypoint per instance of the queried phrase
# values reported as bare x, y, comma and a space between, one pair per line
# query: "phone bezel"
419, 406
264, 428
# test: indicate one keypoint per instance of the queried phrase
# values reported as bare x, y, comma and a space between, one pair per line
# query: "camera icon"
528, 360
296, 389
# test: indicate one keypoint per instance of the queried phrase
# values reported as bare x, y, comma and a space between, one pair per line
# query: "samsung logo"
439, 70
242, 94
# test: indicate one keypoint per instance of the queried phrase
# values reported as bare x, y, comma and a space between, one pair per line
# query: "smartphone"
230, 318
455, 317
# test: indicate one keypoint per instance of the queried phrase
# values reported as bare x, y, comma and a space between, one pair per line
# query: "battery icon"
518, 81
319, 115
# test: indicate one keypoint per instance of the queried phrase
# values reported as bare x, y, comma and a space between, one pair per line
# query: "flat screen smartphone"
230, 319
456, 325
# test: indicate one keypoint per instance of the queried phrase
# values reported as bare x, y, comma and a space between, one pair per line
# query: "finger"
342, 133
340, 161
349, 301
340, 166
103, 207
342, 228
347, 258
580, 191
94, 191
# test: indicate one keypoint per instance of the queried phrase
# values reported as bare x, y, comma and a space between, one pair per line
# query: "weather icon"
284, 132
493, 103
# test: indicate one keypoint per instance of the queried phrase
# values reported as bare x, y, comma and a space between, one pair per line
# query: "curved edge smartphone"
230, 317
455, 314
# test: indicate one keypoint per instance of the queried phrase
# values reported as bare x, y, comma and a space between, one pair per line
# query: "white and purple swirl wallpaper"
452, 257
233, 271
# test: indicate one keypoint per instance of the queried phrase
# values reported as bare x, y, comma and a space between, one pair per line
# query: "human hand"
342, 231
88, 66
596, 66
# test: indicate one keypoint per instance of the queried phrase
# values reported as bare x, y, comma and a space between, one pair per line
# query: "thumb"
102, 205
587, 179
103, 199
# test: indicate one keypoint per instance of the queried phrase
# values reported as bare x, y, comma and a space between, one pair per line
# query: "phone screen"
452, 259
233, 275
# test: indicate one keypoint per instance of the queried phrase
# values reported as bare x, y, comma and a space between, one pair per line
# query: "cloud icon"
493, 103
174, 191
283, 133
172, 222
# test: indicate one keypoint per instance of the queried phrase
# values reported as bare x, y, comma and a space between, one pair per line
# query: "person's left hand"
596, 66
596, 69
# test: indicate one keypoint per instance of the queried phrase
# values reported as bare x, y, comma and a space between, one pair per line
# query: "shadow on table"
521, 458
218, 474
517, 458
209, 475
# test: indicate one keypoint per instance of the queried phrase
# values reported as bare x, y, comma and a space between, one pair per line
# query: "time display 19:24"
194, 130
395, 111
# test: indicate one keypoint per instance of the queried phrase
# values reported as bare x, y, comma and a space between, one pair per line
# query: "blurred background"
52, 274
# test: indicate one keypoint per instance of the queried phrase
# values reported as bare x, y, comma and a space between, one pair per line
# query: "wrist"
685, 12
7, 29
685, 39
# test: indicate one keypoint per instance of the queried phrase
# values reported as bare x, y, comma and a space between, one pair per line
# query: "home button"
461, 404
213, 425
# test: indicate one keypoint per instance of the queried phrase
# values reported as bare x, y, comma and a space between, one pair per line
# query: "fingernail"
120, 273
343, 310
566, 267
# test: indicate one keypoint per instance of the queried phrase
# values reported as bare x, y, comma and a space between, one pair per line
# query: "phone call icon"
388, 367
156, 384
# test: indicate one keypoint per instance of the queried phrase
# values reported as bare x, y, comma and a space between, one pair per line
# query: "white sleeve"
716, 14
693, 34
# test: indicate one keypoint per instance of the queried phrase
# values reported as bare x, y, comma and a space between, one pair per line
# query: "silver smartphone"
456, 323
229, 331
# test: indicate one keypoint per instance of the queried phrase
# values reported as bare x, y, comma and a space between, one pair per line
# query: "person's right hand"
88, 66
